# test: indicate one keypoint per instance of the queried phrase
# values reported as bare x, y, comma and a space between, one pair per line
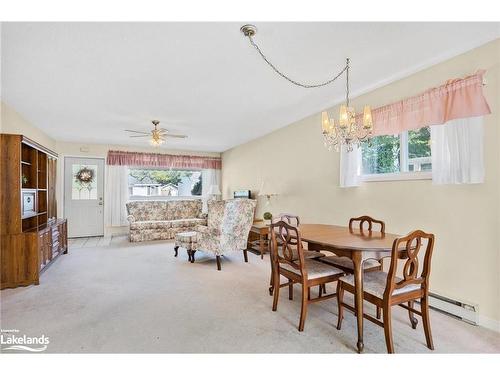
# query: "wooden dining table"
355, 244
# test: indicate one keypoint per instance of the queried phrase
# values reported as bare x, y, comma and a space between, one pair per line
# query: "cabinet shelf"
25, 162
29, 216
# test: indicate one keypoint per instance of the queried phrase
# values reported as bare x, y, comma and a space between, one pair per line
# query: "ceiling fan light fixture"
157, 135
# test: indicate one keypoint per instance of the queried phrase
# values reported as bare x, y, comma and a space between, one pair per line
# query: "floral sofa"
161, 220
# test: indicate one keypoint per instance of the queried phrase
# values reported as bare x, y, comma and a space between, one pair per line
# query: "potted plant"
268, 216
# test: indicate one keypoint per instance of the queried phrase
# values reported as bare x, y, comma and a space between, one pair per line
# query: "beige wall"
13, 123
465, 218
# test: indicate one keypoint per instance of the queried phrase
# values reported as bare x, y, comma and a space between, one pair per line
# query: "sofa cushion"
186, 222
148, 210
150, 224
185, 209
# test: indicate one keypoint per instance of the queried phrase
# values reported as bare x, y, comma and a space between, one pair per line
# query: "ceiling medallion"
350, 129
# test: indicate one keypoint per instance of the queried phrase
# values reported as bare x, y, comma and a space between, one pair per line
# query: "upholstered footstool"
187, 240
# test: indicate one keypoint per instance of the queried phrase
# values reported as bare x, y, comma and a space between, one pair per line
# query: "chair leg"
340, 298
324, 288
388, 328
217, 257
245, 255
379, 312
308, 294
276, 290
413, 320
290, 290
424, 303
176, 248
303, 311
320, 290
271, 284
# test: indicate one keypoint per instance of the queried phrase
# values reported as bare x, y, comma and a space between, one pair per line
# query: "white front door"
83, 196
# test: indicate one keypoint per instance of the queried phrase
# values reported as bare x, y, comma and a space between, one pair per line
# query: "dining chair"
364, 223
293, 220
289, 261
385, 290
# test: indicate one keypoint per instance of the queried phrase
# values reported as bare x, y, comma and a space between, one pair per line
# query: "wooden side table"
260, 229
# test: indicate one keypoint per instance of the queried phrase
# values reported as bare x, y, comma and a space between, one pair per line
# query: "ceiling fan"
158, 135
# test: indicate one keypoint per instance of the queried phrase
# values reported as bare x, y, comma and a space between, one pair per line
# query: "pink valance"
143, 159
458, 98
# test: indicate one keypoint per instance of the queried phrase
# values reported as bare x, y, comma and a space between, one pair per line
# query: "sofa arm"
203, 216
130, 218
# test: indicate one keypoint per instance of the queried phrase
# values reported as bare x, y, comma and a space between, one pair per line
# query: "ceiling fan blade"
135, 131
175, 135
140, 136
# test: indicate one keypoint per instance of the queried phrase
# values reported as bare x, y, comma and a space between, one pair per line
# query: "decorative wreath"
85, 175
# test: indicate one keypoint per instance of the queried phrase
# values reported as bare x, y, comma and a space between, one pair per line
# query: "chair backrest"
362, 220
238, 217
286, 246
215, 214
409, 248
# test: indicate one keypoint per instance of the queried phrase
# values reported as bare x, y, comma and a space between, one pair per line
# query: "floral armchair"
229, 223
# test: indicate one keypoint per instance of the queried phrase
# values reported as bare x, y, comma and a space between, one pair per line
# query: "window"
407, 156
164, 183
84, 182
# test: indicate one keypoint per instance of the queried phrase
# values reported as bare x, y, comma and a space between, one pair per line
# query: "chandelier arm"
304, 85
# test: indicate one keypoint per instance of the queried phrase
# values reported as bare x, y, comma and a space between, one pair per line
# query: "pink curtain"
458, 98
142, 159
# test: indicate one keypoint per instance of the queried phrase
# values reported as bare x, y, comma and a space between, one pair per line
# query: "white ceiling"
87, 82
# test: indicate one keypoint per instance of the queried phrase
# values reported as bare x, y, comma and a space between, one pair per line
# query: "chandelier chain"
304, 85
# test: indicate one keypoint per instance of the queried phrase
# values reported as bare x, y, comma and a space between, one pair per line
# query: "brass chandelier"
350, 129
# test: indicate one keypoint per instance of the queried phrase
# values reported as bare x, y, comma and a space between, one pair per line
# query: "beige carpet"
138, 298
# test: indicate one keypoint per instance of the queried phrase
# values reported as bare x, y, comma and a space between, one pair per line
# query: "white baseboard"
489, 323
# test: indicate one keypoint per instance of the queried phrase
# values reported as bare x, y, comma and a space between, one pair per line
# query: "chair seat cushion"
150, 224
315, 269
313, 254
374, 283
347, 263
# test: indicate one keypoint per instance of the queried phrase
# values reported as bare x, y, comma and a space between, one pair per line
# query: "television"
242, 194
28, 203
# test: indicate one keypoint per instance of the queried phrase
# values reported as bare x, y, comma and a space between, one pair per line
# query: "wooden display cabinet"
31, 237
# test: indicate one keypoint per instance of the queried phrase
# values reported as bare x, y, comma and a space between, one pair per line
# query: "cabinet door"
49, 245
41, 249
42, 244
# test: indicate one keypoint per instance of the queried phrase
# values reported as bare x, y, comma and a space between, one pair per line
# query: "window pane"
381, 155
419, 150
164, 183
84, 182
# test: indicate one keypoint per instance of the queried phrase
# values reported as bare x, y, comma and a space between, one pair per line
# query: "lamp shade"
265, 191
214, 190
